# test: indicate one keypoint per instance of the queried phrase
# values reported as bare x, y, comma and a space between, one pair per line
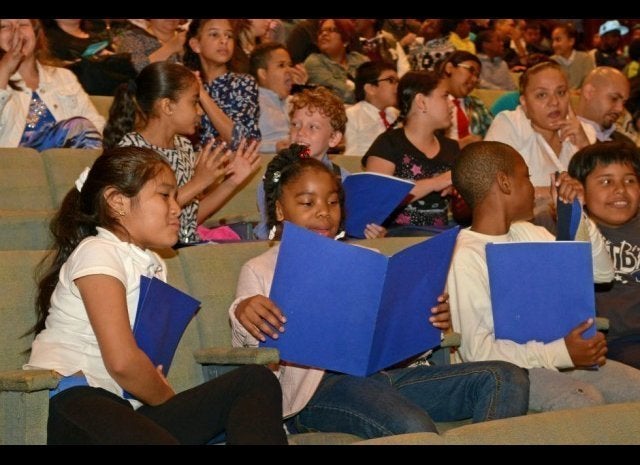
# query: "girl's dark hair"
586, 159
414, 83
127, 169
286, 167
134, 101
191, 59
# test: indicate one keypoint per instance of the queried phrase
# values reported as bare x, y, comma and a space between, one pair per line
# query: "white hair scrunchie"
82, 179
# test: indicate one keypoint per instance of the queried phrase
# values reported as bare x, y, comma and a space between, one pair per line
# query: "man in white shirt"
375, 112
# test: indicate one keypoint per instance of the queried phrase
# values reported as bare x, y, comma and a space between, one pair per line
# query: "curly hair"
323, 100
287, 166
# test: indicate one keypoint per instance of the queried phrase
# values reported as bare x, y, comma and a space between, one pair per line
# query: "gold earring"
121, 213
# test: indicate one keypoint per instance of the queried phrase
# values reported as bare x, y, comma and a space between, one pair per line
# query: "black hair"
368, 73
261, 55
134, 101
585, 160
127, 169
287, 166
414, 83
455, 58
474, 171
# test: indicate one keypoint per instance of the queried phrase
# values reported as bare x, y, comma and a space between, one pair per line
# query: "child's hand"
299, 74
586, 352
441, 317
372, 231
164, 379
15, 52
211, 164
260, 316
566, 188
571, 129
245, 162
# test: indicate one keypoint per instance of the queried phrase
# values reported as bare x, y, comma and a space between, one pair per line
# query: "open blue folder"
371, 198
353, 310
540, 290
162, 317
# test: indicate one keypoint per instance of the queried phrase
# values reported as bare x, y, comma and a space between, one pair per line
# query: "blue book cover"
162, 317
352, 309
569, 216
540, 290
370, 198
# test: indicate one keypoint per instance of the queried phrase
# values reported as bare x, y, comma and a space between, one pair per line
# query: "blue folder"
162, 317
353, 310
370, 198
540, 290
569, 216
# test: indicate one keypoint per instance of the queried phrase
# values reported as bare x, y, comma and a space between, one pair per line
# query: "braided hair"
287, 166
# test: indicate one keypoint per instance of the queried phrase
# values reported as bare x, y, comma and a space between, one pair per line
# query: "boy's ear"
369, 89
503, 182
117, 201
448, 68
335, 138
279, 213
262, 74
194, 43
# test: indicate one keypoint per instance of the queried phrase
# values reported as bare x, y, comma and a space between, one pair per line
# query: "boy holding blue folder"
494, 180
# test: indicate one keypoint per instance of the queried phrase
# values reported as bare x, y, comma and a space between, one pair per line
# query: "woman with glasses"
335, 66
471, 119
375, 112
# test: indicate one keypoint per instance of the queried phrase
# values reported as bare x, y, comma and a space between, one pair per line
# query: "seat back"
17, 306
212, 274
102, 104
63, 166
350, 163
23, 180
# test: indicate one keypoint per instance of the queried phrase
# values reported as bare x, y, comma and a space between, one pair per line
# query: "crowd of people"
196, 103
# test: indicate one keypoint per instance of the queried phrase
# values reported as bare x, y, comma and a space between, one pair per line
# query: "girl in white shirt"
86, 305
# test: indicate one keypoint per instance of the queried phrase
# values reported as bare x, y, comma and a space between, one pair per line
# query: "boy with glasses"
375, 112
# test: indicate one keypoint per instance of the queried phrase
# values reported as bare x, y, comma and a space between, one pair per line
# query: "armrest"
451, 339
602, 324
237, 356
28, 380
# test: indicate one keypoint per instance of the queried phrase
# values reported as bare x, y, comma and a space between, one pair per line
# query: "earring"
121, 213
272, 233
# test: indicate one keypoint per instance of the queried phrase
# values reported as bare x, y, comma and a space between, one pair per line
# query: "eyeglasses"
472, 69
328, 30
392, 80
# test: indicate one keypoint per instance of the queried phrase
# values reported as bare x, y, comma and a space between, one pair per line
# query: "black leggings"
245, 403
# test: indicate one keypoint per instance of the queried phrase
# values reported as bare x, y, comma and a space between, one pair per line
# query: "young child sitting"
494, 180
318, 121
86, 305
609, 173
402, 400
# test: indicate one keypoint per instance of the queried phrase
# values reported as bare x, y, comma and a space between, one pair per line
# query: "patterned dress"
237, 96
182, 160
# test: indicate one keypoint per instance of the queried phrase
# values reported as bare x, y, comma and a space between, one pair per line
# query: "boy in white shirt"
494, 180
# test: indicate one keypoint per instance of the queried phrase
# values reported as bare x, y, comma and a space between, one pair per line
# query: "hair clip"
82, 178
272, 233
305, 152
276, 177
340, 235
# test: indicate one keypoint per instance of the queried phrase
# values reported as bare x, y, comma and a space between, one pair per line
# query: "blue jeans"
625, 349
408, 400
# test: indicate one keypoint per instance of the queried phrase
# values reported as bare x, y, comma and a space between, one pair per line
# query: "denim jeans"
407, 400
625, 350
